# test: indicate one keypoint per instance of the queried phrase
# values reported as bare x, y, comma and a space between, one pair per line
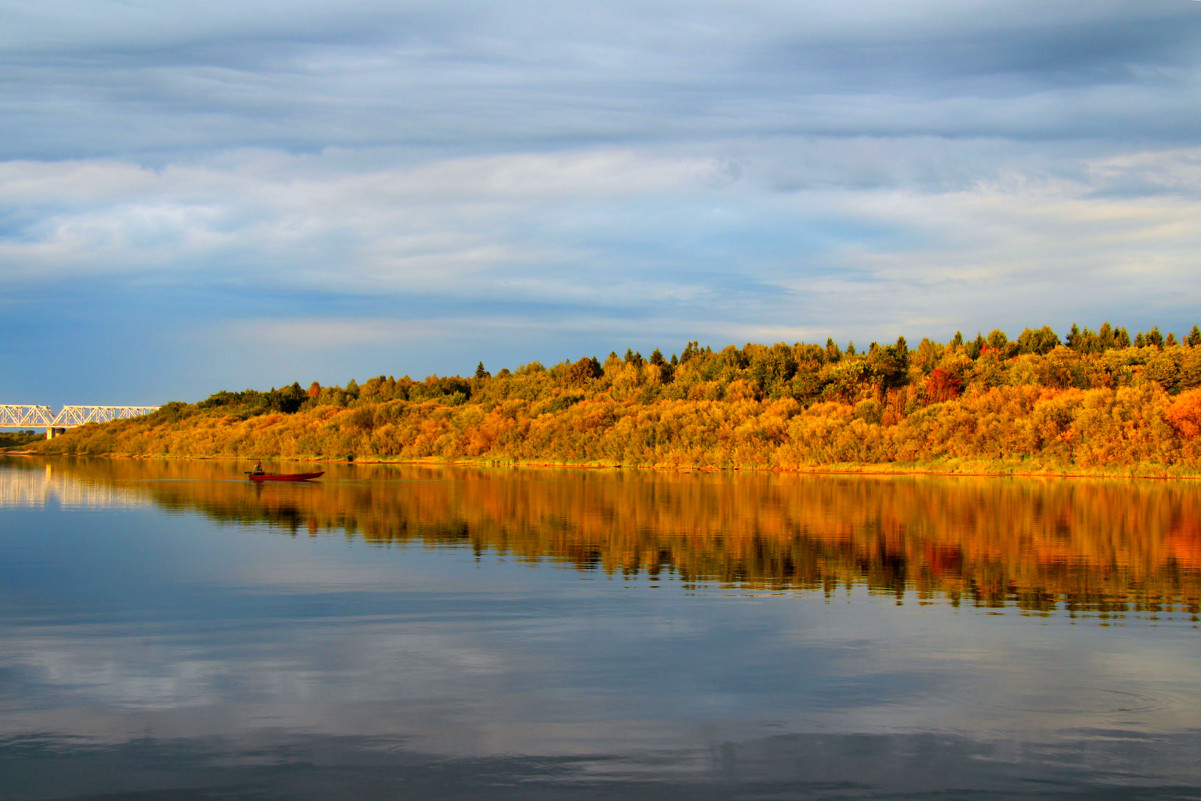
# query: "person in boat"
258, 468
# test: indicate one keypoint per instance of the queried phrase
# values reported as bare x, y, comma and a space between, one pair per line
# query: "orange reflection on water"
1090, 546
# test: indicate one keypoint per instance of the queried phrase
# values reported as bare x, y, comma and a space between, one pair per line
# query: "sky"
222, 195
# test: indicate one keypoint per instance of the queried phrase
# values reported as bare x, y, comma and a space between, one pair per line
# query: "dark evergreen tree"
287, 399
1042, 341
1074, 338
975, 347
833, 353
887, 366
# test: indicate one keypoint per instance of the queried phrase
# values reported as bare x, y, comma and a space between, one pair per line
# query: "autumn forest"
1096, 402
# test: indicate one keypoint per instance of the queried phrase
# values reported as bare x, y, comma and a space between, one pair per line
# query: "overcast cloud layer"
197, 197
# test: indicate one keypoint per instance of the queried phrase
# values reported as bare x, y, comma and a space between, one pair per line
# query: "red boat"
284, 476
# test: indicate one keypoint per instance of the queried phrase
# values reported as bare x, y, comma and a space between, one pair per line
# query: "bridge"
23, 416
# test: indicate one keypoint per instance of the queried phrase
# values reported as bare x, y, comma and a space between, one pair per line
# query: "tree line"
1093, 401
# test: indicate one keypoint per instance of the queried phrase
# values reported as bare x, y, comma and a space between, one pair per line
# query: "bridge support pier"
51, 433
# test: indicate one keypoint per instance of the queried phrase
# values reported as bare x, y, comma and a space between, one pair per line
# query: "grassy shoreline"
957, 468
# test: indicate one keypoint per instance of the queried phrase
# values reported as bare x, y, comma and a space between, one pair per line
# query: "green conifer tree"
833, 353
1074, 339
976, 346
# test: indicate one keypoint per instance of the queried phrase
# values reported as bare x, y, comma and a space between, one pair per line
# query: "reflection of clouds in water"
299, 573
287, 679
935, 668
712, 765
481, 680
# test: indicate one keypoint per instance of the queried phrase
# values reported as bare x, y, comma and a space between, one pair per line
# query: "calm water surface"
169, 631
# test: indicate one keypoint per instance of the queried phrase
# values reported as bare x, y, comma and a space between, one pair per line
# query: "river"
169, 630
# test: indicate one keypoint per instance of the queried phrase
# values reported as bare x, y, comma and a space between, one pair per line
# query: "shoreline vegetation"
1097, 403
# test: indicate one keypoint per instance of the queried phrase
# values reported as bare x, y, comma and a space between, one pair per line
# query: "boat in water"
284, 476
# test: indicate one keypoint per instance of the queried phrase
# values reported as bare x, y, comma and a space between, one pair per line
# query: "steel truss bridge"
23, 416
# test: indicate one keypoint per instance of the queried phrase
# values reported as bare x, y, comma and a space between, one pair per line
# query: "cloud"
628, 173
532, 75
394, 227
669, 235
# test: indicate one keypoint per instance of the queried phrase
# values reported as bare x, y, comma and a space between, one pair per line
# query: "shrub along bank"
1100, 403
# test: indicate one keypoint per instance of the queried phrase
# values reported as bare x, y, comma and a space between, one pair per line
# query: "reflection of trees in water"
1095, 546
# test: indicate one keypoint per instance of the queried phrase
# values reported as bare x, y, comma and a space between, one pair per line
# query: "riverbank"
1122, 412
964, 469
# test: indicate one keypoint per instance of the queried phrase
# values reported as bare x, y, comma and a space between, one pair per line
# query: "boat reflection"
1100, 548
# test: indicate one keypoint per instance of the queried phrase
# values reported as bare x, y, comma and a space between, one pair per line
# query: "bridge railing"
30, 416
78, 415
17, 416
